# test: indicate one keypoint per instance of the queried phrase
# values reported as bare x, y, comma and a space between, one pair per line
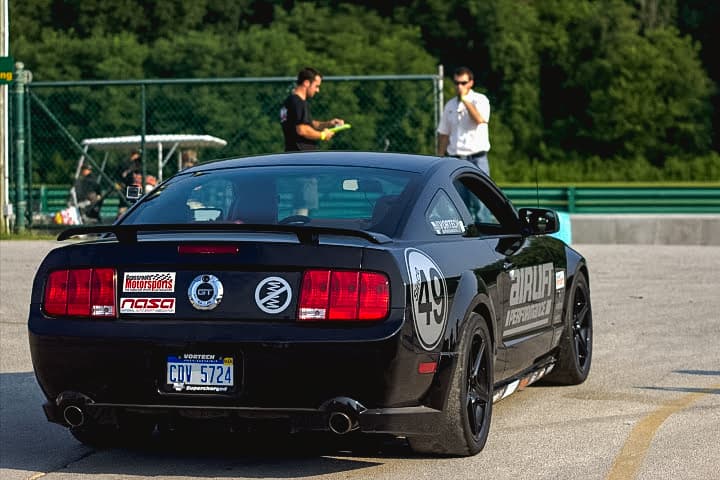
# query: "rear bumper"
399, 421
119, 367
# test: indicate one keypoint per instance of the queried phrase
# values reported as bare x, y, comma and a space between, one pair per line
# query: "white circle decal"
273, 295
429, 298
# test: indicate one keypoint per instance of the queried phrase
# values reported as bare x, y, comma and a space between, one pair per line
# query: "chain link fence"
387, 113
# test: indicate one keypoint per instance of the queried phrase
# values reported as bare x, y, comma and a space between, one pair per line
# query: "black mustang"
340, 291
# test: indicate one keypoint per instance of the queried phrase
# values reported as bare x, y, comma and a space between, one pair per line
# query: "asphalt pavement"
650, 408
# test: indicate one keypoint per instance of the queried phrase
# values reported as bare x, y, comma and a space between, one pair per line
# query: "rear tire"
464, 428
575, 355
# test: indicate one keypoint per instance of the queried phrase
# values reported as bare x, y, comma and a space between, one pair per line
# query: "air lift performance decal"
429, 298
531, 298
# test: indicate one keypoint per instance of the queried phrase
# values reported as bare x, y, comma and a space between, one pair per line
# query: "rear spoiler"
305, 234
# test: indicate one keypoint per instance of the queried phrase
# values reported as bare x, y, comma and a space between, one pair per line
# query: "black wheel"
295, 220
466, 418
575, 355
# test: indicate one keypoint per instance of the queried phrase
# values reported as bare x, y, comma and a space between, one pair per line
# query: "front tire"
575, 355
466, 418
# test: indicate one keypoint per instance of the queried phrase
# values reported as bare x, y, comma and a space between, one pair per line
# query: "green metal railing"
612, 199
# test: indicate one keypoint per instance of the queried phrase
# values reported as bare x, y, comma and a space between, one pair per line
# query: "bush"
613, 170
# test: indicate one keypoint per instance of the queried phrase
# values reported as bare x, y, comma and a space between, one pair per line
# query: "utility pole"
5, 206
23, 77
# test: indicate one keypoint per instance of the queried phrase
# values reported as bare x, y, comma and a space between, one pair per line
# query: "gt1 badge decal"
205, 292
429, 298
273, 295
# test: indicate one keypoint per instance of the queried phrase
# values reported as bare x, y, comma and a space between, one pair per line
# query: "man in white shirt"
463, 129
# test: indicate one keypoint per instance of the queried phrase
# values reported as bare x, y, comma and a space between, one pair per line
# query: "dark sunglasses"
461, 83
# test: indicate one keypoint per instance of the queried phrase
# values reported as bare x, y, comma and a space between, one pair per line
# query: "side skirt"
522, 381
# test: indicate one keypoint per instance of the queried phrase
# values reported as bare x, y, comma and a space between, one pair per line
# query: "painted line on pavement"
628, 462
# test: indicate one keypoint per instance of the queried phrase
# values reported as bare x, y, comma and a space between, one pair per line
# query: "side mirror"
539, 221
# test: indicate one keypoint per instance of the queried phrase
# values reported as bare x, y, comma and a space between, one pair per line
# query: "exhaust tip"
340, 423
74, 415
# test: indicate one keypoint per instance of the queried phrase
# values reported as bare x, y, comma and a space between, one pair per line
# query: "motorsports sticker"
531, 297
149, 282
429, 298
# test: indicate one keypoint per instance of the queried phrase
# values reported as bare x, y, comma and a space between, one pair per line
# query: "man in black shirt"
87, 195
134, 164
300, 130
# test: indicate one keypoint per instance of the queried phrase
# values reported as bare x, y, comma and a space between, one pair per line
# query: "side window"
443, 217
479, 210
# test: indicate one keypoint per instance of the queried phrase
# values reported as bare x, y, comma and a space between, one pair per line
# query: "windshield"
343, 197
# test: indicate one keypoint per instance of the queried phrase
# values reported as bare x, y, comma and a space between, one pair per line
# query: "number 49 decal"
429, 298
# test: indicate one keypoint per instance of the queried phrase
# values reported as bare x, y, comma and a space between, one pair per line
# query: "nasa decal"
205, 292
429, 298
273, 295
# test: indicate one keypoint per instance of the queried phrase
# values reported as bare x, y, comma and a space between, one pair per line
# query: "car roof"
395, 161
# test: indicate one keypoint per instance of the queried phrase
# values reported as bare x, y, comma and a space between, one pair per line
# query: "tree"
618, 92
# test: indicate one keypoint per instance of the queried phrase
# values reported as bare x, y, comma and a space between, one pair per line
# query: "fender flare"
471, 296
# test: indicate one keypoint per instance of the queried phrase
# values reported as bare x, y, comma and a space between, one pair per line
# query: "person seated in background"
87, 195
133, 179
305, 197
189, 159
150, 183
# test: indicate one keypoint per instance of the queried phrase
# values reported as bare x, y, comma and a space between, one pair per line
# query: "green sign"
7, 67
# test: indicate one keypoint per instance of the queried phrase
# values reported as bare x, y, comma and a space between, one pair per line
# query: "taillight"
343, 295
81, 292
314, 295
102, 293
55, 303
374, 296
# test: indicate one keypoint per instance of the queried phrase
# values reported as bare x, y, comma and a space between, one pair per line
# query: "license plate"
200, 373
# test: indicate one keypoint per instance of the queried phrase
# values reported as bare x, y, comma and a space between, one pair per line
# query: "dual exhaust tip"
73, 415
73, 405
344, 414
341, 423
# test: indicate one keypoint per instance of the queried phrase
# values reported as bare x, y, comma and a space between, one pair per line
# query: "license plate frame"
200, 373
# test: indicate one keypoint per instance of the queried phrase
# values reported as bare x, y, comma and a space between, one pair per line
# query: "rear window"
345, 197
